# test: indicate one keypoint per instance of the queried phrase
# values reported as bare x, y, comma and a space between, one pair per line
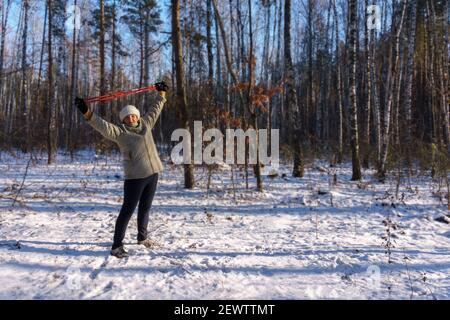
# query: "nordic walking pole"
118, 94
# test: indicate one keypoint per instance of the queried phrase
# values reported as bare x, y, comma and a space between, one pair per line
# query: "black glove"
81, 105
161, 86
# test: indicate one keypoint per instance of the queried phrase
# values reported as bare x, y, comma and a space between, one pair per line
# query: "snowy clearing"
300, 239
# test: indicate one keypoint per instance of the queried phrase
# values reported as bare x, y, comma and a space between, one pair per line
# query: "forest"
360, 80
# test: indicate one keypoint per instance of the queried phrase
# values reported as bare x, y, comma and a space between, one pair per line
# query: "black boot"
119, 252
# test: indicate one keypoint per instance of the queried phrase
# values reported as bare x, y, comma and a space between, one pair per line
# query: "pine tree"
142, 17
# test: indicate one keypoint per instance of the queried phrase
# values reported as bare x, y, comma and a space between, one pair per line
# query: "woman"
140, 161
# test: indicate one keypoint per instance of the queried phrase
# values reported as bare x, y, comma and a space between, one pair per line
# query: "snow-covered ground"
299, 239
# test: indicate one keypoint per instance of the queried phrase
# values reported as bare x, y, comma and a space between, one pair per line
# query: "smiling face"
131, 120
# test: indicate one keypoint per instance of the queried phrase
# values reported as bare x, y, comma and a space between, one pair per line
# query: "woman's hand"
84, 109
81, 105
162, 88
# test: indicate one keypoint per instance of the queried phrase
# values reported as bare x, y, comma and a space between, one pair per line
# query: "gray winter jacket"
140, 157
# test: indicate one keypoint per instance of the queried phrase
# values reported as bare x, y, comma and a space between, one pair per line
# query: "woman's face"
131, 119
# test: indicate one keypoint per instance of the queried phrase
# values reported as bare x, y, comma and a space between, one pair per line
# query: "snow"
289, 242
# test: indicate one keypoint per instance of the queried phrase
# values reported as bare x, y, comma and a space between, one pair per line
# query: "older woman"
140, 161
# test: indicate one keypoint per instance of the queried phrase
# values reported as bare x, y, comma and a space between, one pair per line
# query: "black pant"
136, 190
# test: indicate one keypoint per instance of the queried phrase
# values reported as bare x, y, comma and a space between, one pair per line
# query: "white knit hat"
127, 111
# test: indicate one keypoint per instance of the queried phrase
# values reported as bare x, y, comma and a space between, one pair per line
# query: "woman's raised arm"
108, 130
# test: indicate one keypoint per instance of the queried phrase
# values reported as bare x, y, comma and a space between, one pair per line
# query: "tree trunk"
368, 86
391, 90
113, 104
41, 60
4, 22
73, 88
102, 57
51, 137
209, 44
409, 80
376, 99
431, 88
254, 114
291, 97
24, 96
309, 105
146, 56
353, 97
189, 181
339, 89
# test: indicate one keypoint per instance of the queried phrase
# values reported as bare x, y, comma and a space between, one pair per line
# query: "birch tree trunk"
392, 89
353, 98
376, 98
409, 79
368, 86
